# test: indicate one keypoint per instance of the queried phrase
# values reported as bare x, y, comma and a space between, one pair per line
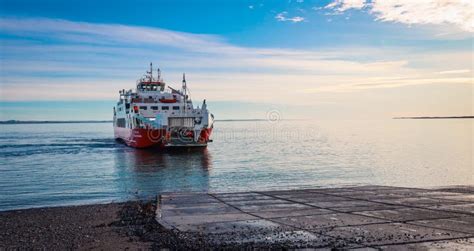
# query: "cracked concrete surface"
366, 217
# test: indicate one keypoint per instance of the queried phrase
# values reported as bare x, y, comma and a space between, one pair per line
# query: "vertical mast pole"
185, 92
151, 72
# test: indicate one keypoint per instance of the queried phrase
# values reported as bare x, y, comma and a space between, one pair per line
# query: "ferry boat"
155, 116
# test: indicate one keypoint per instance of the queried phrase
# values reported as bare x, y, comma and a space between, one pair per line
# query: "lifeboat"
168, 100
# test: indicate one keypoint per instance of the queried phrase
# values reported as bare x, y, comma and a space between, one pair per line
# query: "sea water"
70, 164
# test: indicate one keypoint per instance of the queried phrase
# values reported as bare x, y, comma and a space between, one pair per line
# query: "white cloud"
107, 33
282, 17
343, 5
388, 82
251, 7
454, 12
460, 71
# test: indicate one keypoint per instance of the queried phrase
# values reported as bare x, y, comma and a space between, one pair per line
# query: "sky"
360, 59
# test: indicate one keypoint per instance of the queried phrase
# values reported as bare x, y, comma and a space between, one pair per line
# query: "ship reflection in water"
146, 172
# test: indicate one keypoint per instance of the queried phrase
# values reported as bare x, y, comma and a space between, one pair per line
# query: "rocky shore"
112, 226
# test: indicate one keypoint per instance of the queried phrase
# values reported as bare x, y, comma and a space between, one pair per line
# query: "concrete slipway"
365, 217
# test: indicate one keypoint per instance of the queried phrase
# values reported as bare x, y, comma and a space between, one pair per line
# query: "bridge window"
154, 108
175, 108
165, 108
143, 107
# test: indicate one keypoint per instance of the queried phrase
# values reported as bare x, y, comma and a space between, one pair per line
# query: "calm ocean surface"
65, 164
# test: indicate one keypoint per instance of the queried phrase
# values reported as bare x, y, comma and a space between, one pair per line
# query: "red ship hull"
143, 138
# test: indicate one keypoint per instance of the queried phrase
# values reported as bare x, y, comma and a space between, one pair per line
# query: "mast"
185, 92
151, 72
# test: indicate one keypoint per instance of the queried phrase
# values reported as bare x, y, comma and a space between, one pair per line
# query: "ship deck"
367, 217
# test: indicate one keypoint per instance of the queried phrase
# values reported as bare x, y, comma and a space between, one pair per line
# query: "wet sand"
370, 217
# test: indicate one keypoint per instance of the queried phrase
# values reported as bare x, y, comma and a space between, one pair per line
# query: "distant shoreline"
446, 117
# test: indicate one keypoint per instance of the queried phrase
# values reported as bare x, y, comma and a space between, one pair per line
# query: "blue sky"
317, 59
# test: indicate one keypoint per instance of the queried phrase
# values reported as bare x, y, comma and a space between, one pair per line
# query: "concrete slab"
272, 207
313, 222
264, 239
463, 244
435, 193
331, 190
192, 198
236, 227
241, 203
458, 208
401, 191
457, 189
368, 207
408, 214
232, 195
182, 222
291, 213
417, 201
285, 192
199, 209
374, 188
366, 218
458, 197
351, 193
462, 224
305, 191
310, 198
390, 233
171, 206
255, 231
247, 197
376, 197
346, 204
393, 193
